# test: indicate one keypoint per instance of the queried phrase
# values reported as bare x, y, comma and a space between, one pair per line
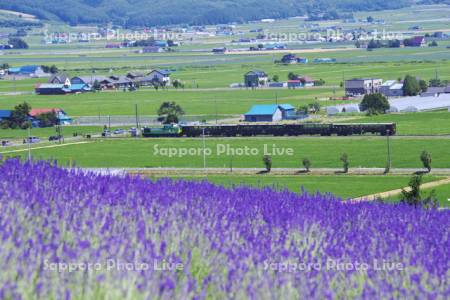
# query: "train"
248, 130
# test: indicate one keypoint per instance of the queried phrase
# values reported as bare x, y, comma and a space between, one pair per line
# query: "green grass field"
148, 101
323, 152
342, 186
422, 123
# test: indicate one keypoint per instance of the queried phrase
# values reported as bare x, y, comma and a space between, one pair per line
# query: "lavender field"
70, 235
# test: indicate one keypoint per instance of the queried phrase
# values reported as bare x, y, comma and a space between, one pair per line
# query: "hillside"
159, 12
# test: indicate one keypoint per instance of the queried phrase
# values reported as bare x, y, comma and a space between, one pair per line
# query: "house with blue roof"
270, 113
28, 71
5, 114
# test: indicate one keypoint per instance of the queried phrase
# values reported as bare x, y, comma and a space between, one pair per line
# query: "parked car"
119, 131
31, 140
5, 143
106, 133
54, 138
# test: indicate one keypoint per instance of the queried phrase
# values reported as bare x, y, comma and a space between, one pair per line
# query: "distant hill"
163, 12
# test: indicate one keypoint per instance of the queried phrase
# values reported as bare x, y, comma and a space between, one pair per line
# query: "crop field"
367, 152
101, 223
193, 102
341, 186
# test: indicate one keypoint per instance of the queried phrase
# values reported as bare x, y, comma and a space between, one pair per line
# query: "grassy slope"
323, 152
342, 186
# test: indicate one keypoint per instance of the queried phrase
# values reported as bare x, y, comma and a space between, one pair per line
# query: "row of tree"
425, 158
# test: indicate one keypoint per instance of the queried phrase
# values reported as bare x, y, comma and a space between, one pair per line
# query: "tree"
177, 84
436, 82
17, 43
411, 86
394, 44
275, 78
314, 107
423, 85
50, 69
169, 112
20, 116
292, 76
345, 162
48, 119
319, 82
307, 164
303, 110
374, 104
370, 19
425, 157
373, 44
267, 160
433, 44
413, 196
96, 86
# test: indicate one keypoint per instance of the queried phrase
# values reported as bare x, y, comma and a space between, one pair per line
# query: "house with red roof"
63, 118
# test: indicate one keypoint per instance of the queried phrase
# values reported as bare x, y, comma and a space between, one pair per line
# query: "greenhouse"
417, 103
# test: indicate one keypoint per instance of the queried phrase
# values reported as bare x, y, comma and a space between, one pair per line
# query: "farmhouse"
59, 79
28, 71
60, 89
294, 83
306, 80
256, 79
161, 76
362, 86
121, 82
270, 113
289, 59
293, 59
392, 88
436, 91
63, 118
88, 80
417, 41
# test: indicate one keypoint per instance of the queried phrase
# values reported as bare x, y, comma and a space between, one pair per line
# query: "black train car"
289, 129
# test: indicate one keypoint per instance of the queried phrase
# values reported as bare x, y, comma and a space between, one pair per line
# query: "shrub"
345, 162
267, 160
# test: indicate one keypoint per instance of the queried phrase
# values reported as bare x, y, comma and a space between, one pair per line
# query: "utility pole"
204, 150
29, 143
109, 123
137, 118
389, 162
276, 97
215, 103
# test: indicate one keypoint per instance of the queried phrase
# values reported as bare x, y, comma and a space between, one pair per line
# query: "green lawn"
323, 152
341, 186
421, 123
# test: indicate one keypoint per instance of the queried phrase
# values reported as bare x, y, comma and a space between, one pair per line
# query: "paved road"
399, 191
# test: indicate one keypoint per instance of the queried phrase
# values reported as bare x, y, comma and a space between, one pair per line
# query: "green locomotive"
169, 130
